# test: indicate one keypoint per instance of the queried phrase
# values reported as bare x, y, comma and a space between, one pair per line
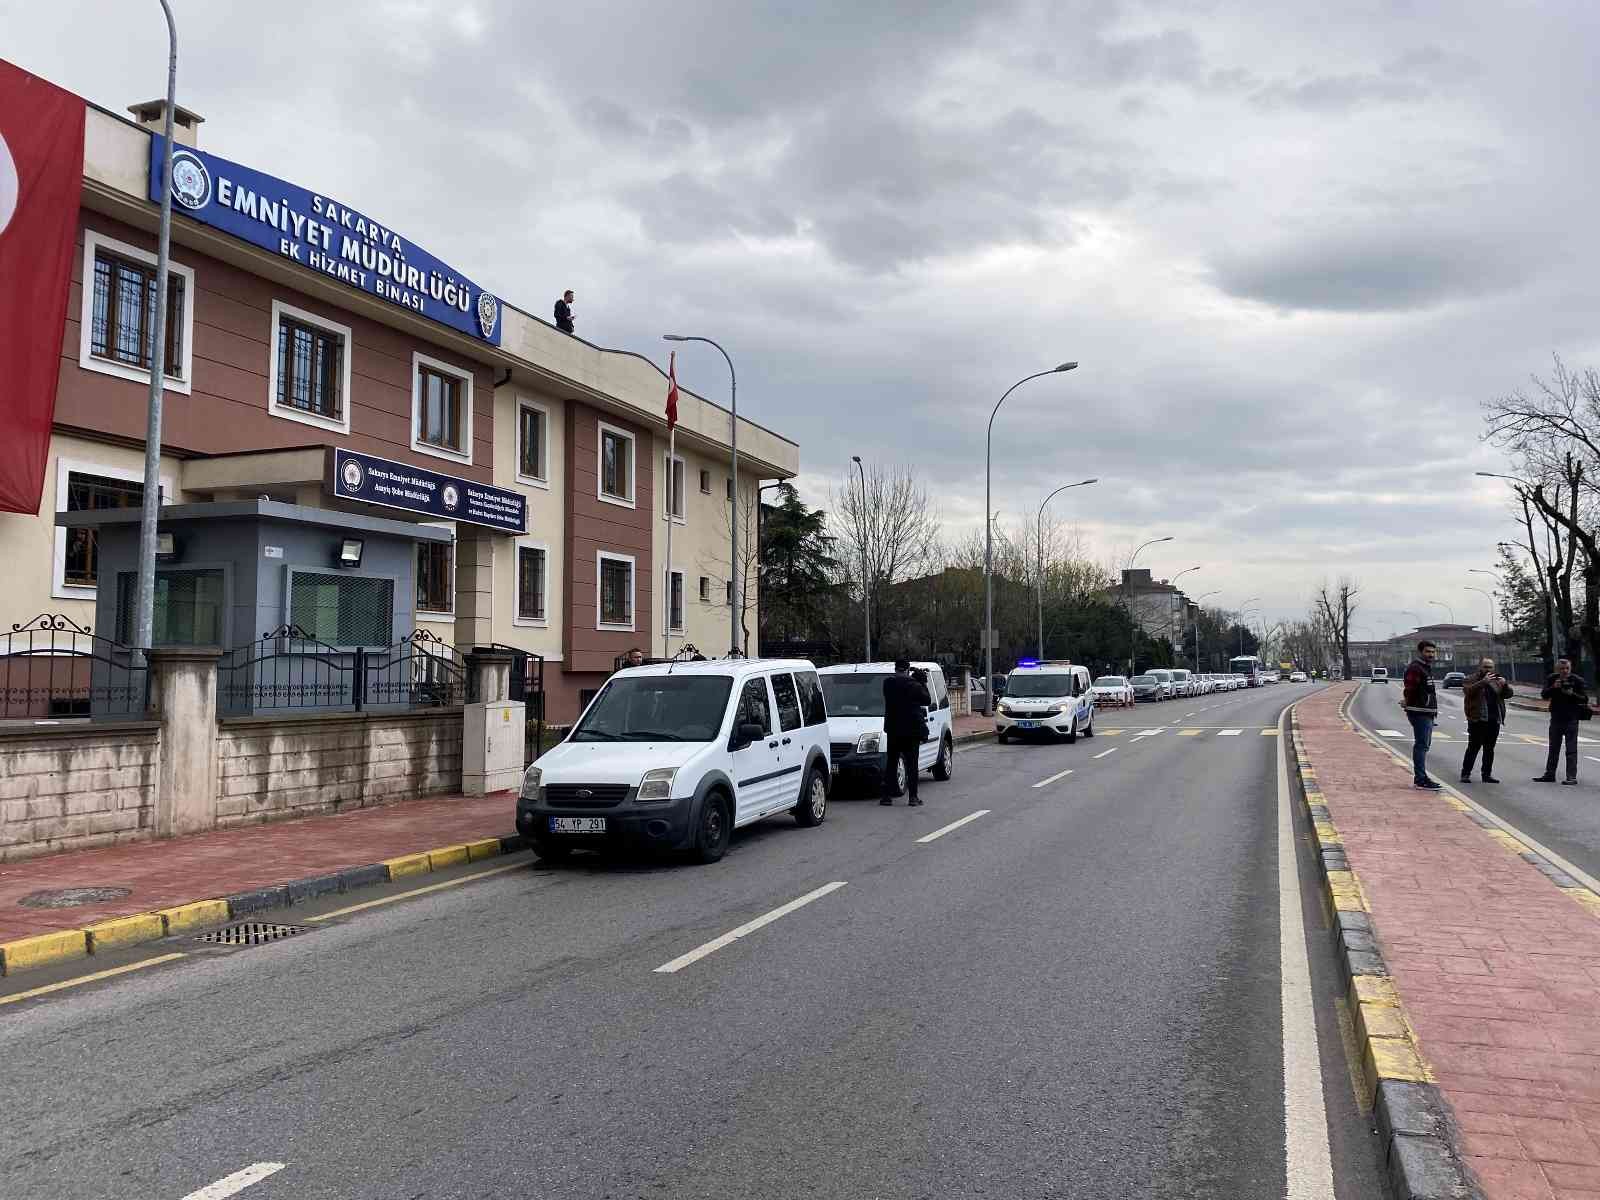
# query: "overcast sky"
1293, 244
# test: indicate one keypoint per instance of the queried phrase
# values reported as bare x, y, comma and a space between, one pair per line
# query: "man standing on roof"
905, 728
564, 319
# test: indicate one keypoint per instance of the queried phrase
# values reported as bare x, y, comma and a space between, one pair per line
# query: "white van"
1180, 683
679, 755
1380, 674
1050, 698
857, 747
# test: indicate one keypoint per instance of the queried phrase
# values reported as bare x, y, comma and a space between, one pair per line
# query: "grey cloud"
609, 119
1338, 93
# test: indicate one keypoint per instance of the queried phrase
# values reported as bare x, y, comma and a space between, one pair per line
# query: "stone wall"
70, 787
270, 768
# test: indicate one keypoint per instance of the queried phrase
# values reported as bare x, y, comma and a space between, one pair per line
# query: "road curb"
1421, 1152
45, 949
977, 735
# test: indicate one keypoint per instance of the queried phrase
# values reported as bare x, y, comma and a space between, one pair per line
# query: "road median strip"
114, 933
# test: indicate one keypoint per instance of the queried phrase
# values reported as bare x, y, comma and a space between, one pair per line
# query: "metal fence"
53, 668
287, 669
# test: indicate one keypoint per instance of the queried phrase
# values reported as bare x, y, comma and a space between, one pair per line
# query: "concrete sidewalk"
1494, 956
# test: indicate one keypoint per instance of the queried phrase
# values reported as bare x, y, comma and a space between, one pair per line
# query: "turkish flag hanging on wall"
41, 176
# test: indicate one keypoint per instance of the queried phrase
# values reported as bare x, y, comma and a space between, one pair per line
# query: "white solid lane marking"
233, 1184
1187, 715
421, 891
1308, 1163
1592, 758
74, 982
1229, 732
1390, 733
1053, 778
939, 833
1103, 753
733, 935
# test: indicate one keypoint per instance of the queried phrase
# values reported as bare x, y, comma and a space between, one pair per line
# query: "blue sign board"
397, 485
323, 235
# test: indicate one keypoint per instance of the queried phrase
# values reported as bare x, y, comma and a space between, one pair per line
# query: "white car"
1297, 677
857, 747
1113, 691
1169, 685
679, 755
1051, 699
1181, 685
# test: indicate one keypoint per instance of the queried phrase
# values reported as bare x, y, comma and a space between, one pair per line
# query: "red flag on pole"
41, 181
672, 390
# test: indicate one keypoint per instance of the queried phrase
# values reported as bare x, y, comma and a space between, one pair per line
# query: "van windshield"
1025, 684
854, 695
657, 708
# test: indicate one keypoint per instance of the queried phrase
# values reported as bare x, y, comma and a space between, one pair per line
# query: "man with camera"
1569, 704
905, 727
1483, 696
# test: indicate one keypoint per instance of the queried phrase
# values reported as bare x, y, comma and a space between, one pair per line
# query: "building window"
342, 610
187, 611
730, 489
92, 493
441, 421
308, 378
533, 425
616, 465
705, 590
435, 582
532, 584
705, 481
614, 604
675, 618
117, 336
674, 474
729, 586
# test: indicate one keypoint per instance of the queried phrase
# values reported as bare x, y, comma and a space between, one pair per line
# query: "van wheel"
715, 831
944, 766
1088, 730
813, 806
1072, 732
1002, 737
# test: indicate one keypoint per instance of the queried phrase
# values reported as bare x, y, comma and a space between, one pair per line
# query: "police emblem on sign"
488, 313
191, 182
452, 497
352, 476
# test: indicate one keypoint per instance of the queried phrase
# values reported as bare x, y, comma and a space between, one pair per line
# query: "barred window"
89, 493
310, 369
616, 591
187, 611
530, 583
434, 560
675, 616
705, 590
342, 610
123, 322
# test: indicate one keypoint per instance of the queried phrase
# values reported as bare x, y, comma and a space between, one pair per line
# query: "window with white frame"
675, 602
675, 479
90, 487
441, 409
616, 465
117, 314
614, 591
533, 433
705, 589
533, 584
308, 368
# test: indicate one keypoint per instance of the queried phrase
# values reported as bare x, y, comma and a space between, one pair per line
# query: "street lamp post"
1039, 545
866, 582
1242, 611
1448, 610
1127, 591
1489, 596
1198, 627
735, 572
988, 530
150, 506
1174, 580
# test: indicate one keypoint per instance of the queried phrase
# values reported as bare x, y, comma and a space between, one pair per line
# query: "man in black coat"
905, 701
564, 320
1567, 697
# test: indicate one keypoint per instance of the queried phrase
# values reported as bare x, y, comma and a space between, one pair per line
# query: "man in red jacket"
1422, 709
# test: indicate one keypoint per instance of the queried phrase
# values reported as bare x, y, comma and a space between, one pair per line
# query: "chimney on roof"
152, 115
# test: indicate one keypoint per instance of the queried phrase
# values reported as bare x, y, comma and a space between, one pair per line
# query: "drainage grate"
250, 933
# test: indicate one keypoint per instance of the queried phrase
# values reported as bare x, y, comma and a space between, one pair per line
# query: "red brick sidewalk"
1497, 968
166, 873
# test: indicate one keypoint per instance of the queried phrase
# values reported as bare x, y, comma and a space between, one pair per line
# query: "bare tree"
886, 530
1335, 606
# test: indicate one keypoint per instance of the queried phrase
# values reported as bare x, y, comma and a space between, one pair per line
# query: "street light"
1127, 590
988, 531
866, 584
1174, 580
1447, 609
1198, 627
1242, 610
1039, 545
734, 571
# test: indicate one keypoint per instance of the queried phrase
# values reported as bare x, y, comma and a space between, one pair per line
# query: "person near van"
633, 658
905, 698
1569, 704
564, 321
1483, 696
1421, 703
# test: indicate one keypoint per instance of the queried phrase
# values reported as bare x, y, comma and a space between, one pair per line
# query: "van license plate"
1027, 724
577, 824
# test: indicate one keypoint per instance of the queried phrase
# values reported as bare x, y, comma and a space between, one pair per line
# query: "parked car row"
1174, 683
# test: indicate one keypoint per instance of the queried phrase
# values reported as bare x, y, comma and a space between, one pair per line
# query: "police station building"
359, 441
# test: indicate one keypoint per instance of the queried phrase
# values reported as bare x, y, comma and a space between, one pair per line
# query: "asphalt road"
1095, 989
1564, 819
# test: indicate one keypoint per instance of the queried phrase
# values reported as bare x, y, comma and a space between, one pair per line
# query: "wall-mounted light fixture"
166, 548
350, 550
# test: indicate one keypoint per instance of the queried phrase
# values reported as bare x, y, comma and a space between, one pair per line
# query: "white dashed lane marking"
939, 833
1053, 778
749, 927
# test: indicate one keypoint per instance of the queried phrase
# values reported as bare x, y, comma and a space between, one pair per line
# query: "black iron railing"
284, 669
419, 671
52, 668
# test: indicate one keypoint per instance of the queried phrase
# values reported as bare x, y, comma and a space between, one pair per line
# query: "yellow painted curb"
1391, 1058
408, 864
184, 917
1380, 1021
1373, 989
487, 848
125, 931
447, 856
42, 949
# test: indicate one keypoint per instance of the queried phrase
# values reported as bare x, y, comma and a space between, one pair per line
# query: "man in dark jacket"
905, 701
1483, 696
1422, 708
1568, 698
564, 312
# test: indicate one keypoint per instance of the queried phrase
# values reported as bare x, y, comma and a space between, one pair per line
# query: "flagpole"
672, 443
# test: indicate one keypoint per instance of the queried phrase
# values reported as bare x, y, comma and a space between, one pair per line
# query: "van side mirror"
745, 734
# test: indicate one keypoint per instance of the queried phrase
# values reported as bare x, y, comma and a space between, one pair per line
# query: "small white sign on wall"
272, 552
